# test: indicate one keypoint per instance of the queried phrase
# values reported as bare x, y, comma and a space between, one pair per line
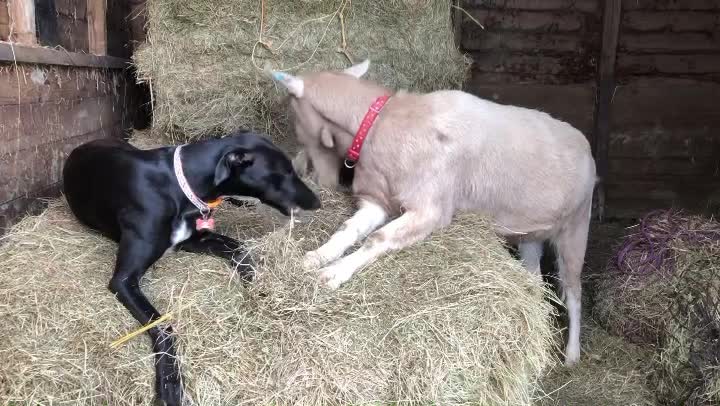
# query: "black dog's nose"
314, 203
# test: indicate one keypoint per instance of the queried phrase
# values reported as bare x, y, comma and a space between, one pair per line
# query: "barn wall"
46, 111
54, 100
62, 23
118, 28
535, 53
4, 21
665, 133
665, 118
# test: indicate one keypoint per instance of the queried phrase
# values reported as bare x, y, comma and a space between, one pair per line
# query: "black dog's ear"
232, 159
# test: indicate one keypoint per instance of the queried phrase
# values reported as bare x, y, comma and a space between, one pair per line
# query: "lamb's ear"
358, 70
293, 84
326, 138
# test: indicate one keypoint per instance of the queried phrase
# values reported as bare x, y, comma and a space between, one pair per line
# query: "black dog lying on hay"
152, 201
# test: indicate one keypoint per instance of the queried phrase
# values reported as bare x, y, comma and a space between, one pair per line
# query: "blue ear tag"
279, 76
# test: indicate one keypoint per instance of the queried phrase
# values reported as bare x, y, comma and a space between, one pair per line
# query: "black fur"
132, 196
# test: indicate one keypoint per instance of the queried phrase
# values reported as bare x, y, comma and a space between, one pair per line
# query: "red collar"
353, 153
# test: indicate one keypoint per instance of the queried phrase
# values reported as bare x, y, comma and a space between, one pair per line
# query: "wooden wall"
118, 28
62, 23
45, 112
665, 121
665, 107
4, 21
54, 100
535, 53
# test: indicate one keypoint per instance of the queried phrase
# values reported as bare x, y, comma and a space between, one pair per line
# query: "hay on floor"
454, 320
663, 289
207, 60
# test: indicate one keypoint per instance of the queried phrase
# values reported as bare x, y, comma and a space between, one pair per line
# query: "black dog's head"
251, 165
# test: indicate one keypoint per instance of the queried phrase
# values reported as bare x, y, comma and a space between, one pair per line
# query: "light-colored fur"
428, 156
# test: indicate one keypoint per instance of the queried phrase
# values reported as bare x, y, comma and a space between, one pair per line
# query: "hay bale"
453, 320
688, 362
663, 289
207, 60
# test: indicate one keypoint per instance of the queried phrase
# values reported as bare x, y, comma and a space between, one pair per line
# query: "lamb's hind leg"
571, 244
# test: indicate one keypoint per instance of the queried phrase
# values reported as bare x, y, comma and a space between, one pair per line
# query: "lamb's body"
455, 151
428, 156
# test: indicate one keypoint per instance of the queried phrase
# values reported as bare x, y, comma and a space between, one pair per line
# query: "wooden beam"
97, 27
48, 56
605, 90
22, 21
138, 18
457, 21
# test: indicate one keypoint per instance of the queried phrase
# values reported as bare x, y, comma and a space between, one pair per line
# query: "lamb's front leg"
411, 227
367, 219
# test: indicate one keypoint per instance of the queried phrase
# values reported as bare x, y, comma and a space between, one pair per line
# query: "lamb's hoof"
333, 276
312, 261
572, 357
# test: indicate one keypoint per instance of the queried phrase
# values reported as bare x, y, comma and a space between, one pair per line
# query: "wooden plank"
668, 64
606, 84
552, 99
691, 143
457, 17
138, 22
681, 191
22, 15
47, 56
537, 21
46, 20
669, 43
675, 21
582, 5
97, 29
665, 103
671, 5
118, 28
707, 205
76, 9
36, 168
28, 84
4, 21
643, 167
566, 67
14, 210
26, 126
73, 34
478, 40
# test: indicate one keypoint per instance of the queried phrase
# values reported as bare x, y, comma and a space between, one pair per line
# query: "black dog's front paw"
168, 383
244, 265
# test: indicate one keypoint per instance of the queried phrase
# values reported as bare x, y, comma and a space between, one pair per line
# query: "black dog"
152, 201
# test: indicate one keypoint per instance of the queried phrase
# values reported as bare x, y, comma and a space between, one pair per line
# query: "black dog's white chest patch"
181, 232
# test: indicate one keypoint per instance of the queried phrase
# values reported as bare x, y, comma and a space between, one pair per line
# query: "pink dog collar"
206, 209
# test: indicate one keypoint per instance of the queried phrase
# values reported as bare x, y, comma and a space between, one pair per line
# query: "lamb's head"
323, 85
325, 109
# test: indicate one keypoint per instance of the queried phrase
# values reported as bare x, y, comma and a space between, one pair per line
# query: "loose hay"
453, 320
663, 289
207, 60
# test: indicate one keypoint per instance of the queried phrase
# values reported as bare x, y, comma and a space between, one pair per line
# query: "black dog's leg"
208, 242
135, 255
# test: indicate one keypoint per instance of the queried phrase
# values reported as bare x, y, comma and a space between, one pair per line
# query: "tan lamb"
420, 158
